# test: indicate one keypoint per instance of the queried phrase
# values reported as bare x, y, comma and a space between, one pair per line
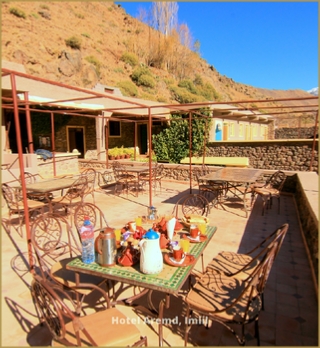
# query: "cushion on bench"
224, 161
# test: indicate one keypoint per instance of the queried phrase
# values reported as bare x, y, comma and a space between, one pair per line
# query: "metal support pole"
53, 146
190, 149
21, 166
28, 123
135, 140
150, 157
314, 140
107, 143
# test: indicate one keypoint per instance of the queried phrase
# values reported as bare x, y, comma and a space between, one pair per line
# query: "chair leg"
256, 328
187, 326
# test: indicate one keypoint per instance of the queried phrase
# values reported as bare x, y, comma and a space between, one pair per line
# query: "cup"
202, 228
132, 226
178, 253
185, 245
138, 220
194, 231
117, 232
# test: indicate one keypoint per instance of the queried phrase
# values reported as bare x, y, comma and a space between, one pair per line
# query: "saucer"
201, 238
186, 261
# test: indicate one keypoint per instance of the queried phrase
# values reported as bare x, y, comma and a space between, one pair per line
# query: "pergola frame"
129, 109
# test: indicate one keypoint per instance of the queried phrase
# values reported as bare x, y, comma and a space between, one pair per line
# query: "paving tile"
290, 317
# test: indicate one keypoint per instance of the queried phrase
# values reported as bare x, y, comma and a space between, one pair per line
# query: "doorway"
143, 139
75, 139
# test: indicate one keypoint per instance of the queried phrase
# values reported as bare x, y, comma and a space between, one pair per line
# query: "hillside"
35, 33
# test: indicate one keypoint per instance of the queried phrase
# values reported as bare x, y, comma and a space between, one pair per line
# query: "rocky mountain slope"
35, 35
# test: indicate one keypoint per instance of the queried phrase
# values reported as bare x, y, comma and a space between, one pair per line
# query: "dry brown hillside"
35, 33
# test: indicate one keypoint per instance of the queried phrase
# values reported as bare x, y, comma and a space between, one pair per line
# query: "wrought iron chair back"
70, 329
55, 245
230, 300
192, 203
94, 213
90, 174
74, 195
13, 198
53, 240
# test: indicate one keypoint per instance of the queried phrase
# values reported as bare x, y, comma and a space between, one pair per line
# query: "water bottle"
87, 239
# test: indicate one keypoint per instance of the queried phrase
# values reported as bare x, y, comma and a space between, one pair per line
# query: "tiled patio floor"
290, 317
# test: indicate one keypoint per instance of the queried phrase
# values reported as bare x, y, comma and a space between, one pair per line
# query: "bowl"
187, 221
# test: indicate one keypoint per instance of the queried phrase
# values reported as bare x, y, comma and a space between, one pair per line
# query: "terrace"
290, 317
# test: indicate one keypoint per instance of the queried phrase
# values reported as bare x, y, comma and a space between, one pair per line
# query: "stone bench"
219, 161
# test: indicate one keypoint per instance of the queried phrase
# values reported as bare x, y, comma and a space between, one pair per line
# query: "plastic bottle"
87, 239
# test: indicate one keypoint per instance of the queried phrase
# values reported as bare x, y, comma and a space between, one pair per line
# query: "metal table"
235, 178
169, 281
45, 187
137, 170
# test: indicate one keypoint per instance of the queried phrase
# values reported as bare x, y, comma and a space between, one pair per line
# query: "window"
231, 129
114, 129
240, 129
254, 130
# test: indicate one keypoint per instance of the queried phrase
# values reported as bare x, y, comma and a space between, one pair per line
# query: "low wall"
270, 154
66, 164
307, 198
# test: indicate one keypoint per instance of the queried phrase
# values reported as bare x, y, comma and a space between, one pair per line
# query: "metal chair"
272, 188
229, 300
90, 174
240, 265
192, 203
156, 177
15, 205
69, 329
73, 196
105, 179
55, 245
123, 178
94, 213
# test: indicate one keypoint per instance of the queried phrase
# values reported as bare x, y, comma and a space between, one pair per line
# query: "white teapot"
151, 260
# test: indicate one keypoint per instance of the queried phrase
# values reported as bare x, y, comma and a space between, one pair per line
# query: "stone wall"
294, 133
273, 154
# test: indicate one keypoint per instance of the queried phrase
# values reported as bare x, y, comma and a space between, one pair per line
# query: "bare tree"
165, 18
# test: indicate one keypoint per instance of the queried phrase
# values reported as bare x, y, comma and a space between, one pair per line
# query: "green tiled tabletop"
169, 280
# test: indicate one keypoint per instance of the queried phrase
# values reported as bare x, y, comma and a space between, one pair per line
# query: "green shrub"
35, 15
17, 12
86, 35
128, 88
130, 58
93, 60
147, 81
118, 70
162, 99
198, 80
44, 7
188, 84
79, 15
172, 144
208, 92
182, 95
142, 70
73, 42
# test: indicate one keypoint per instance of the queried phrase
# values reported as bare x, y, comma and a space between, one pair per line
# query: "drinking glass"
185, 244
117, 232
138, 220
202, 228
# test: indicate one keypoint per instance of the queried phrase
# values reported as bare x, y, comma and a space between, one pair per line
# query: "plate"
199, 239
187, 261
201, 219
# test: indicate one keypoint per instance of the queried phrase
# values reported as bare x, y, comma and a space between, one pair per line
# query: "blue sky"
271, 45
